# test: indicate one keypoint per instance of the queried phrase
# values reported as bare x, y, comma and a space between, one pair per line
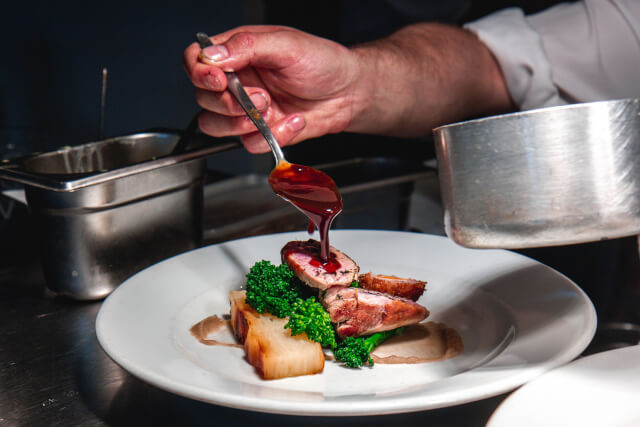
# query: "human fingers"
203, 71
269, 49
203, 76
219, 125
225, 104
226, 35
191, 53
287, 131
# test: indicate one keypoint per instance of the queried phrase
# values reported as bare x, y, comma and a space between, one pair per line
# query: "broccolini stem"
374, 340
355, 352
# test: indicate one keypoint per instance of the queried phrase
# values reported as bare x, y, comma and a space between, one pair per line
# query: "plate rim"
357, 408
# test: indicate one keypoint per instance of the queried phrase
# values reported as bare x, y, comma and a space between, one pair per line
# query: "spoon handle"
238, 92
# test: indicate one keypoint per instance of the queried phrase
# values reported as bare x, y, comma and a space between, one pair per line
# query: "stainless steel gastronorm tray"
107, 209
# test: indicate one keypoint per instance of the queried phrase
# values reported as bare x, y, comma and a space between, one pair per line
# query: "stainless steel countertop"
54, 372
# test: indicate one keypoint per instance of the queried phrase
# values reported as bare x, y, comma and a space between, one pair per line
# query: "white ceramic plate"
517, 318
599, 390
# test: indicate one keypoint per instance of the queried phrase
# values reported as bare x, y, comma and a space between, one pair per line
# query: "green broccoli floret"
309, 316
355, 352
276, 290
272, 289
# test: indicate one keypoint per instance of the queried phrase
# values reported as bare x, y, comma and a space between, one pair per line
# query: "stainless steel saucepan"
552, 176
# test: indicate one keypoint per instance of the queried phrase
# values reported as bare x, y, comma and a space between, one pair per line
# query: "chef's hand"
299, 82
420, 77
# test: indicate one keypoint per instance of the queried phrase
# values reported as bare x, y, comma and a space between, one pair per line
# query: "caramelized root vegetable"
270, 348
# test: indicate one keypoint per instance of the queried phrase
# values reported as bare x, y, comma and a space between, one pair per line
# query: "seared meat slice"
406, 288
362, 312
304, 259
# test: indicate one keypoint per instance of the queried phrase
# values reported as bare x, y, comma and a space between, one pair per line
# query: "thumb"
276, 49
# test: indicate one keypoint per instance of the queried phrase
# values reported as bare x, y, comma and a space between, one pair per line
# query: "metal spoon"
312, 191
238, 92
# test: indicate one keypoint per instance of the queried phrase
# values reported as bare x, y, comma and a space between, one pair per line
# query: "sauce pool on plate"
420, 343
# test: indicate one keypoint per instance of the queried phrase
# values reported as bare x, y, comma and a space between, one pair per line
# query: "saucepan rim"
533, 112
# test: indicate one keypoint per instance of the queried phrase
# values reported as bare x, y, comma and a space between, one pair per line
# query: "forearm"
423, 76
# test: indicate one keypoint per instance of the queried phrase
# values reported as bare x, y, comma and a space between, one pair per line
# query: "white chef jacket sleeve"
573, 52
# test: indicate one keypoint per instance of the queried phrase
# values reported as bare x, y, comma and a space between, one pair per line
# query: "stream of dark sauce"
315, 194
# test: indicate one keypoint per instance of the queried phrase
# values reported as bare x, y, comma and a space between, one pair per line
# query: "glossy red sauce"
312, 249
314, 193
330, 266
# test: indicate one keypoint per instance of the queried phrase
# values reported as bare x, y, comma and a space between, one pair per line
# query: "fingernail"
212, 82
215, 53
259, 100
296, 123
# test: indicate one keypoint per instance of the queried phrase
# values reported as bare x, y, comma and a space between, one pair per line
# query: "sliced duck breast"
406, 288
359, 312
304, 259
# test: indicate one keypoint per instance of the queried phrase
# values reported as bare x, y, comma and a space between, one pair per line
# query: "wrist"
371, 108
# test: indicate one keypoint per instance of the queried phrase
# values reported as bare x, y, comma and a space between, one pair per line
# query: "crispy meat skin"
359, 312
298, 255
406, 288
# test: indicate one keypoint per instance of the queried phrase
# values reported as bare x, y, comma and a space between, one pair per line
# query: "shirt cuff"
518, 49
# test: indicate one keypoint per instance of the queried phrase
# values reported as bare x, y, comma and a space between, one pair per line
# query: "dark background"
53, 54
